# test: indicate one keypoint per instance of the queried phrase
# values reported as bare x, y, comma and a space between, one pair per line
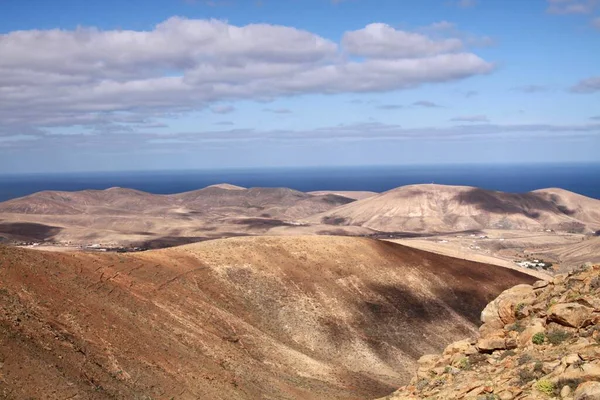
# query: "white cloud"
92, 77
466, 3
383, 41
471, 118
390, 107
572, 6
531, 88
222, 109
441, 26
476, 129
426, 104
589, 85
278, 110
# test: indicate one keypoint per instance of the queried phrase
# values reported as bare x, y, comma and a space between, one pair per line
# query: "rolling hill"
124, 216
439, 208
271, 317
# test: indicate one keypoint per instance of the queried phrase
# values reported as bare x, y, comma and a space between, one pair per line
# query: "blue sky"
175, 84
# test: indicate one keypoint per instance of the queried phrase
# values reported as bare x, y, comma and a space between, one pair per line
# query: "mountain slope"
130, 217
244, 318
439, 208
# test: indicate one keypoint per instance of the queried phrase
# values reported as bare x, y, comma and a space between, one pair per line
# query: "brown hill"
267, 202
439, 208
113, 200
245, 318
125, 216
277, 202
351, 194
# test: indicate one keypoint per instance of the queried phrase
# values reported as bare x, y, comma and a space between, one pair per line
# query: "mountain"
124, 216
277, 202
536, 342
439, 208
271, 317
352, 194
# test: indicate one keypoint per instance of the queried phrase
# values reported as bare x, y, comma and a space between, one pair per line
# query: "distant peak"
227, 186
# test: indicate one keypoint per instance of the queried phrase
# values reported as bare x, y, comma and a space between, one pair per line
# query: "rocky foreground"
539, 341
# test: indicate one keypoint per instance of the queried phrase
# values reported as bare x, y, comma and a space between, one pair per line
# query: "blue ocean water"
580, 178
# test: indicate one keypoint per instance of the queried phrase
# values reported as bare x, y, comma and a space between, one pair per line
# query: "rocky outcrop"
539, 341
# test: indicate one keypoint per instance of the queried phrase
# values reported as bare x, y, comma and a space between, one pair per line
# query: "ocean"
580, 178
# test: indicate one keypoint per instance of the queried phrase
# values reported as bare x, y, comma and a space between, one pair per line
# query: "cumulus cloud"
589, 85
383, 41
91, 77
572, 6
470, 118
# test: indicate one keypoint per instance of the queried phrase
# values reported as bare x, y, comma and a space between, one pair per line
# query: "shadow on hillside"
261, 223
528, 204
335, 199
173, 241
29, 231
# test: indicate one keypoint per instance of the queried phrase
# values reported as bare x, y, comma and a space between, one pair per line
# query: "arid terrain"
554, 225
125, 217
315, 317
315, 301
536, 342
439, 208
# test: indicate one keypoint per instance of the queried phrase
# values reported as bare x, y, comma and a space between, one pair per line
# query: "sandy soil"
502, 247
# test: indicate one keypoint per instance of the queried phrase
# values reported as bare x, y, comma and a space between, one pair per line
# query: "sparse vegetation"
517, 327
572, 383
595, 283
545, 386
422, 384
463, 363
488, 396
525, 376
507, 353
557, 336
477, 358
538, 338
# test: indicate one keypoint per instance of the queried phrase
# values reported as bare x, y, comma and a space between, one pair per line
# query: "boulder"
585, 372
560, 279
540, 284
494, 341
590, 301
463, 346
588, 391
536, 325
501, 311
574, 315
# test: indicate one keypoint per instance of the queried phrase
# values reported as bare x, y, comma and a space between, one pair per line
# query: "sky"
194, 84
